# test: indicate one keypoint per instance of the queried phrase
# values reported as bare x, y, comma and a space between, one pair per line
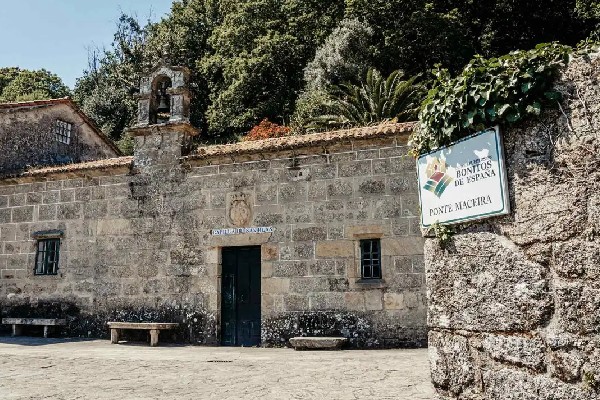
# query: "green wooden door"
240, 296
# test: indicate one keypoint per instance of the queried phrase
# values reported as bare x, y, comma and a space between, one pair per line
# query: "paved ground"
59, 369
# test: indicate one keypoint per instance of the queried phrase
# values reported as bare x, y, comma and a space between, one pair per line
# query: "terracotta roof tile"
78, 167
258, 146
297, 141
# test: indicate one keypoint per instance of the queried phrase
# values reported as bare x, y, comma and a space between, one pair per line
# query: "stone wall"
514, 302
138, 245
27, 138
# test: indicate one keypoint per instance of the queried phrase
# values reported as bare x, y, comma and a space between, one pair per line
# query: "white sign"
239, 231
464, 181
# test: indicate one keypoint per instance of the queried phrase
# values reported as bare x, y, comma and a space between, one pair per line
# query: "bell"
163, 105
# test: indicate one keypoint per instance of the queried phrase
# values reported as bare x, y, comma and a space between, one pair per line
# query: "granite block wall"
137, 242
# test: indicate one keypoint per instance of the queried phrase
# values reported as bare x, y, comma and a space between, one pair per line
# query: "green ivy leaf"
501, 109
535, 108
512, 117
552, 95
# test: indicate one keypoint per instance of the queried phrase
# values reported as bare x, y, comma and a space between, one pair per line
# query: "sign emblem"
438, 179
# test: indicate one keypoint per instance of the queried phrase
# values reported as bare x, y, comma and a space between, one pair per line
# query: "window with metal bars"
46, 258
370, 259
62, 131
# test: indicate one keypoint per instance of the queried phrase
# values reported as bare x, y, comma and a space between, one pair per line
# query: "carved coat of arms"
239, 209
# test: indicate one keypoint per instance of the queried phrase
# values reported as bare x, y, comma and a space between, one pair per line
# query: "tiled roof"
250, 147
70, 103
298, 141
67, 168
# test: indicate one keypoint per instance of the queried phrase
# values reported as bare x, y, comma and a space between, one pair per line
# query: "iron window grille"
62, 131
46, 257
370, 256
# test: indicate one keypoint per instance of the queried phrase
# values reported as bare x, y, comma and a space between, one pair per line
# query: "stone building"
243, 244
49, 132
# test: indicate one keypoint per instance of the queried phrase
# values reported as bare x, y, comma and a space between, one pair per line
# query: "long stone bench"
318, 343
17, 324
153, 327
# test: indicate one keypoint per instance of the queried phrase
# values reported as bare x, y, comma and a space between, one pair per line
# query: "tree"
106, 92
107, 89
345, 56
22, 85
374, 100
259, 51
276, 59
414, 35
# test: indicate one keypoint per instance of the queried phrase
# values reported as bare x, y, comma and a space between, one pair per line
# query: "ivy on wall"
488, 92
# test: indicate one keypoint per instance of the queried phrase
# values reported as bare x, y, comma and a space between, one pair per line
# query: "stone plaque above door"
239, 209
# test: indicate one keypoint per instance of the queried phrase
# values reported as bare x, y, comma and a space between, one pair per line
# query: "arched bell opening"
160, 105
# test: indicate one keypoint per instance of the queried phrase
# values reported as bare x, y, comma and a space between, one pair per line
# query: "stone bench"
153, 327
17, 324
318, 343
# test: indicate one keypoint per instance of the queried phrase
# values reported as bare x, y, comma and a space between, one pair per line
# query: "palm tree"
375, 100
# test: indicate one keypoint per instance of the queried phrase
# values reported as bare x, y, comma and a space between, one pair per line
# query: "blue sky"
56, 34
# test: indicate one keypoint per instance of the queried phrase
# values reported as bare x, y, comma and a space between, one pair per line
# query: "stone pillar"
154, 337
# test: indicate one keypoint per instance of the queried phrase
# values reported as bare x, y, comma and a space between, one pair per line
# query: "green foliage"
588, 9
590, 380
106, 92
310, 108
23, 85
414, 35
491, 91
259, 52
126, 145
444, 234
344, 56
376, 99
276, 59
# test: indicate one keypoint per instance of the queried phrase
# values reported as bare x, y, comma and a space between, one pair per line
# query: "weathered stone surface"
577, 259
577, 308
452, 365
525, 289
566, 364
138, 242
516, 350
508, 384
338, 248
486, 284
318, 343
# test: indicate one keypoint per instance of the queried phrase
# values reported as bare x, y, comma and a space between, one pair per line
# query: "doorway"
240, 296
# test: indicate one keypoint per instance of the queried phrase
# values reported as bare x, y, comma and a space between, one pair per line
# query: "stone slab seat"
318, 343
153, 327
17, 324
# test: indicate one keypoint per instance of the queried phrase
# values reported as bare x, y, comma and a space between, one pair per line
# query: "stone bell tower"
163, 125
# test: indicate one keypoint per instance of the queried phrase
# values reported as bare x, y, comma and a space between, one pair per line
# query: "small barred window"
46, 258
62, 131
370, 258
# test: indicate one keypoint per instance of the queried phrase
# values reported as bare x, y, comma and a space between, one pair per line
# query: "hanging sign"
464, 181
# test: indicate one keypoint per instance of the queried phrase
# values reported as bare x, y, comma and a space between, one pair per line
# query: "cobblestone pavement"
32, 368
